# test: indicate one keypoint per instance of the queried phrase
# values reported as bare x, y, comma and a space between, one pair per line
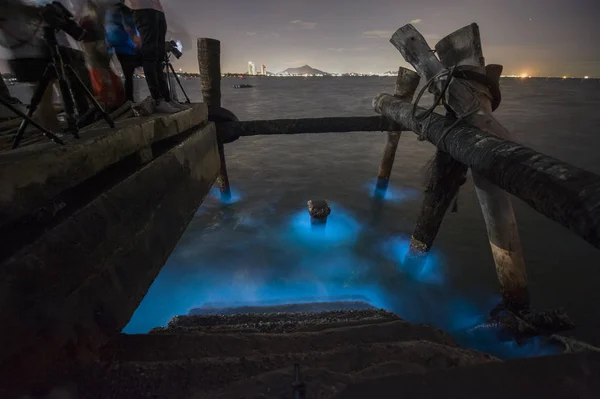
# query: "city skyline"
536, 38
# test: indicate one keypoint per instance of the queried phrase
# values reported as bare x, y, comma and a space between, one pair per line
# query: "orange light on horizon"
524, 75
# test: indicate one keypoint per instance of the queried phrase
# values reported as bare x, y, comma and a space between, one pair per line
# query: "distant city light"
564, 77
586, 77
524, 75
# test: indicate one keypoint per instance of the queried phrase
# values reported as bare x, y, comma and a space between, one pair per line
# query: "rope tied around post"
462, 75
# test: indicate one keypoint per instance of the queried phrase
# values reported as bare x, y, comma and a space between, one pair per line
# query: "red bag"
108, 88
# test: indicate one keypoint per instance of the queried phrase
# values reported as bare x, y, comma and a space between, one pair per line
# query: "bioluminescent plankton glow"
245, 254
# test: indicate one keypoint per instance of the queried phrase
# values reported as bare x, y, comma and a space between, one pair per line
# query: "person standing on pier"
151, 23
108, 87
124, 40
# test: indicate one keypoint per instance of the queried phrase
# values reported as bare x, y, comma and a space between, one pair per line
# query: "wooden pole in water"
463, 47
209, 61
445, 177
406, 85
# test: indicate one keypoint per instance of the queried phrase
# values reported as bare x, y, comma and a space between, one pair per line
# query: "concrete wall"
81, 280
30, 176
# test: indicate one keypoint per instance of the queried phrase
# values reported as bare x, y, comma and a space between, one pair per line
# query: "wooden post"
561, 192
445, 176
406, 85
209, 61
464, 48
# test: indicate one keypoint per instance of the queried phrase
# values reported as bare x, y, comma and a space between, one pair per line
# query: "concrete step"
556, 377
275, 323
184, 378
156, 347
301, 305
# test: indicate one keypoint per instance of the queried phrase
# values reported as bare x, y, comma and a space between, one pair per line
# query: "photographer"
108, 87
151, 23
122, 36
21, 34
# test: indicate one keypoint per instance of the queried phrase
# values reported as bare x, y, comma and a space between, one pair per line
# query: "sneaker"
165, 107
145, 107
179, 106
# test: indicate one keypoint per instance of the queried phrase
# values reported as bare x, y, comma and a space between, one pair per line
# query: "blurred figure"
150, 21
122, 36
21, 29
108, 87
71, 54
21, 34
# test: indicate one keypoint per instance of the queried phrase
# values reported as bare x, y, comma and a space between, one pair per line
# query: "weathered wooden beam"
463, 47
445, 175
406, 85
562, 192
374, 123
209, 61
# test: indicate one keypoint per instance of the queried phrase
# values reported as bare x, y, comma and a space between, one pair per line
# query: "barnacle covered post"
318, 210
406, 85
209, 62
470, 100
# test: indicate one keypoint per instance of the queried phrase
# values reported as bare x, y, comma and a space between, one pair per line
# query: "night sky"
537, 37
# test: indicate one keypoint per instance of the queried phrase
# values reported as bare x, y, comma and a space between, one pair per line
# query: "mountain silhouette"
303, 70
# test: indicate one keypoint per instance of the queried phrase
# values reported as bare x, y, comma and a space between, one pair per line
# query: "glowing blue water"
341, 229
235, 196
393, 193
244, 255
430, 271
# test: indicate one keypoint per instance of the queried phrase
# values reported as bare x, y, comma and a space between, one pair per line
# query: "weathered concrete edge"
560, 376
30, 177
96, 296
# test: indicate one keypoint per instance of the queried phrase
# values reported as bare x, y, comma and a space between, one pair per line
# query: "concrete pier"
86, 227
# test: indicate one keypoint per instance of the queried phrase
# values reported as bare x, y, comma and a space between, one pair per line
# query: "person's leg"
128, 65
162, 54
45, 113
147, 22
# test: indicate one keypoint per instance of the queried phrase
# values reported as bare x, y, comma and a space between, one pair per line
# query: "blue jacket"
116, 34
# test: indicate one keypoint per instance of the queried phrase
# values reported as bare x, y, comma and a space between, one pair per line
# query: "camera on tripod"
174, 48
58, 17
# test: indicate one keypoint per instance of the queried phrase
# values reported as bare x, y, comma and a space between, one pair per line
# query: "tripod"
169, 69
57, 69
20, 114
